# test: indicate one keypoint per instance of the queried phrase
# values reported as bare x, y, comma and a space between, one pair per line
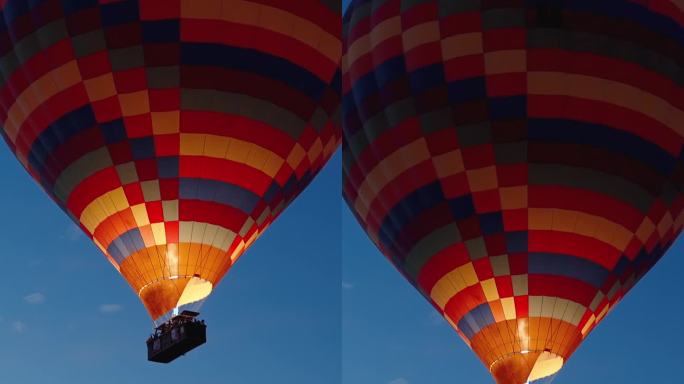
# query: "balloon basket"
176, 337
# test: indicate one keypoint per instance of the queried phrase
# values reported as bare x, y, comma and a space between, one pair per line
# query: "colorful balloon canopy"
173, 131
520, 162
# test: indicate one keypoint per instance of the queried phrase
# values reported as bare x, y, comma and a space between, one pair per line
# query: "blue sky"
66, 316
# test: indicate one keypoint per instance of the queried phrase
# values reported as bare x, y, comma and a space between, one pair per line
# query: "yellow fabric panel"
559, 308
315, 150
363, 45
118, 197
387, 170
242, 12
383, 31
665, 224
483, 179
574, 313
301, 29
445, 288
539, 218
588, 224
513, 197
192, 144
102, 207
273, 164
50, 84
214, 146
165, 122
645, 230
539, 306
266, 17
468, 273
194, 232
588, 325
547, 306
237, 251
275, 19
140, 215
206, 9
603, 313
453, 283
255, 236
490, 291
508, 61
449, 163
223, 239
420, 34
296, 155
508, 304
258, 157
563, 220
608, 91
196, 290
465, 44
134, 103
208, 235
100, 87
238, 150
546, 365
679, 221
159, 233
556, 308
581, 223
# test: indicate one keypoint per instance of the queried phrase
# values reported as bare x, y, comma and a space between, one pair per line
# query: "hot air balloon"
519, 162
173, 132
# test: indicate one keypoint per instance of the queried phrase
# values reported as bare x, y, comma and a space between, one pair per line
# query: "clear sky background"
66, 316
393, 336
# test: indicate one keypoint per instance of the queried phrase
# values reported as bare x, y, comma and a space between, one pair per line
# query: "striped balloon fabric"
173, 131
519, 161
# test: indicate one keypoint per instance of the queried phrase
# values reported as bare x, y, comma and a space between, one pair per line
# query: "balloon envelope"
173, 132
520, 162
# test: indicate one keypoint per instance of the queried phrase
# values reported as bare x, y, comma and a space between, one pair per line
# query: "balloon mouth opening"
167, 298
526, 367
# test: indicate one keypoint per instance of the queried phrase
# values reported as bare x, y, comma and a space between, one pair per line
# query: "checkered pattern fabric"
519, 161
172, 131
